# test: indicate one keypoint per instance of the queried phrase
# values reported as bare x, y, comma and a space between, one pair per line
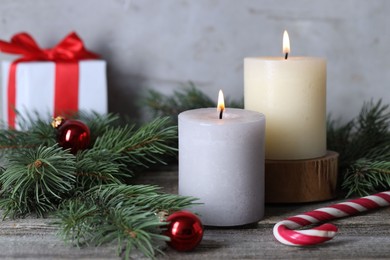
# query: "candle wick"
220, 114
286, 56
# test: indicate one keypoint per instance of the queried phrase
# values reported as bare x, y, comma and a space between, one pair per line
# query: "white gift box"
35, 86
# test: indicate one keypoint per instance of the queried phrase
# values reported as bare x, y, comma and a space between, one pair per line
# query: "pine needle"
34, 180
124, 214
142, 147
89, 191
364, 147
186, 98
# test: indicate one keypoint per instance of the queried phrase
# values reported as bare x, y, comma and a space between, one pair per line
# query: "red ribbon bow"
66, 54
71, 48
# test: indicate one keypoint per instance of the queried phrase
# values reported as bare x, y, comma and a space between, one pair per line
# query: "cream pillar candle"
221, 162
292, 94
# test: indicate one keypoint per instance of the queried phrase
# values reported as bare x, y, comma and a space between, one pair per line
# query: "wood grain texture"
364, 236
296, 181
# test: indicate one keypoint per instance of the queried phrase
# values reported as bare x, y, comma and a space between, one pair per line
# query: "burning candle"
291, 92
221, 162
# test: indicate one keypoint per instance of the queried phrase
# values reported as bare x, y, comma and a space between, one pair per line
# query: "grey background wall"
164, 44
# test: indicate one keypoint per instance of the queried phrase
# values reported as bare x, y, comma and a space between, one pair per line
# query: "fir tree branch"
188, 97
364, 147
98, 124
13, 140
365, 177
35, 180
97, 166
140, 195
142, 147
36, 130
96, 206
124, 214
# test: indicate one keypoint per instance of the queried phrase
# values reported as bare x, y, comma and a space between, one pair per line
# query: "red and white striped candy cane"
285, 233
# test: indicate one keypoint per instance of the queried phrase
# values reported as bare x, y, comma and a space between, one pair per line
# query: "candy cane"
285, 233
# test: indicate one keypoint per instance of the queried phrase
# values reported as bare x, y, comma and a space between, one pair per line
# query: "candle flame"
286, 44
221, 104
221, 101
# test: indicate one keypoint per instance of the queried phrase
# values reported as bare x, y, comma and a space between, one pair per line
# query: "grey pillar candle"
221, 162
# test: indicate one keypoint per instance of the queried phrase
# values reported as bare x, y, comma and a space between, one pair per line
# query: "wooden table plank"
363, 236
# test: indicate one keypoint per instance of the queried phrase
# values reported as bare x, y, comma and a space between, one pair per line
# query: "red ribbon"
65, 54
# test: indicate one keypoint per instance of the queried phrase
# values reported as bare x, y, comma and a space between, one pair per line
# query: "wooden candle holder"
297, 181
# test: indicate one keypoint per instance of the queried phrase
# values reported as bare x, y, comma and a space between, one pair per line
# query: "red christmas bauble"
185, 231
72, 134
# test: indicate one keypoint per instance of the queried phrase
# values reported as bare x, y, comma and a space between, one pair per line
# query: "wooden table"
364, 236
